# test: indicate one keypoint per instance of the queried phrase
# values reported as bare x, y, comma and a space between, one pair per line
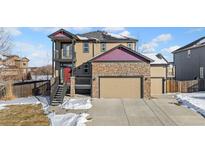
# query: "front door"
67, 74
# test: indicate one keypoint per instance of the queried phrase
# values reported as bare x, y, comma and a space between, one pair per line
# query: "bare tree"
5, 45
5, 42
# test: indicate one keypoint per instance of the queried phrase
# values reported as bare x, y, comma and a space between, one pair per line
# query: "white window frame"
86, 47
66, 51
201, 71
103, 47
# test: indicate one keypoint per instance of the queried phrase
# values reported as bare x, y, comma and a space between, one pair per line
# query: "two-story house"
189, 60
13, 67
110, 63
71, 52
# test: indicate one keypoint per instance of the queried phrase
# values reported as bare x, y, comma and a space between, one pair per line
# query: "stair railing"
65, 88
54, 88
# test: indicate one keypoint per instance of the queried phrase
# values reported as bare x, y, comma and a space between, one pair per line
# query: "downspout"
73, 56
52, 58
93, 49
166, 76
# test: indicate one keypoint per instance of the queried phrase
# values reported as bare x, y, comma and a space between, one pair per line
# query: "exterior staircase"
59, 94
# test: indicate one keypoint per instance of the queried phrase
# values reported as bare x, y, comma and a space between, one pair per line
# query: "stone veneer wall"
121, 69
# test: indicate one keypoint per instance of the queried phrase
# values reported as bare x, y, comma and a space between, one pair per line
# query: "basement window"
86, 68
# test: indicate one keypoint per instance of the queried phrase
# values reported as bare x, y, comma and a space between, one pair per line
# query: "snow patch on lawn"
78, 103
194, 101
27, 100
69, 119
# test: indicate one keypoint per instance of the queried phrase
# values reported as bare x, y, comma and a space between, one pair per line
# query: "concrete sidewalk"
138, 112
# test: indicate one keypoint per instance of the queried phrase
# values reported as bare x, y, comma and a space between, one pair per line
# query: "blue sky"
34, 43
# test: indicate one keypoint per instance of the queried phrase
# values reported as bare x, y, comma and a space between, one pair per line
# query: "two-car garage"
120, 87
121, 73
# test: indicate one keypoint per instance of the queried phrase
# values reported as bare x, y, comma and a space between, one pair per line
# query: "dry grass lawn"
23, 115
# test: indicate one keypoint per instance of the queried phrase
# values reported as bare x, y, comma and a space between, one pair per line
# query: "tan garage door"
156, 86
120, 88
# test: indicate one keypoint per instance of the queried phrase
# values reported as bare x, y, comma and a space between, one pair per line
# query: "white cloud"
125, 33
162, 38
113, 29
171, 49
13, 31
117, 30
38, 54
150, 46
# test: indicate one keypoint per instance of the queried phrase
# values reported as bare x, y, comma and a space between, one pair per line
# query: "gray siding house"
189, 60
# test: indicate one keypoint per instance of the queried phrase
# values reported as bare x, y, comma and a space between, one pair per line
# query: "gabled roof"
197, 43
103, 36
121, 53
100, 36
158, 59
62, 34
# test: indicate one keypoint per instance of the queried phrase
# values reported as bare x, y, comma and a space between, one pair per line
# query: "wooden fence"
184, 86
31, 88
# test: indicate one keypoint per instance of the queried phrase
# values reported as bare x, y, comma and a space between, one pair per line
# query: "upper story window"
66, 50
103, 47
86, 47
189, 53
129, 45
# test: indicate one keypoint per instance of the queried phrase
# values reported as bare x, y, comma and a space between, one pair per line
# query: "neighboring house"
189, 60
13, 67
158, 73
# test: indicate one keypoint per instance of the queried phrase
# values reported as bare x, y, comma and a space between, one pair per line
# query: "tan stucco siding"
108, 46
120, 87
82, 57
158, 71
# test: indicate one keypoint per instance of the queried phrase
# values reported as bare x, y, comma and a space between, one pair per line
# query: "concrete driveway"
161, 111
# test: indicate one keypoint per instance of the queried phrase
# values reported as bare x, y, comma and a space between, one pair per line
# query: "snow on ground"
41, 77
194, 101
77, 103
69, 119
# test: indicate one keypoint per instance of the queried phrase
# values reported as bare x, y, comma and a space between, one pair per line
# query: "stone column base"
72, 86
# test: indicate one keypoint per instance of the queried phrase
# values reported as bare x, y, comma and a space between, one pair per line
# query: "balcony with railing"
64, 55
